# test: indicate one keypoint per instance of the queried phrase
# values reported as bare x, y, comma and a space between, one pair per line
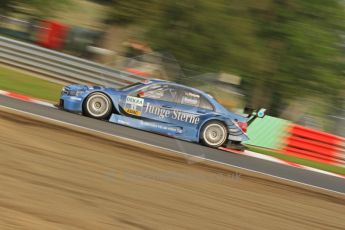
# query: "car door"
153, 103
160, 101
193, 109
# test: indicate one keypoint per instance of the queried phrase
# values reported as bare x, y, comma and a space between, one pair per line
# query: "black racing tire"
97, 105
214, 134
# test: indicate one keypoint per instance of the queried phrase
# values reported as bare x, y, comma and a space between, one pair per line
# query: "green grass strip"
19, 82
297, 160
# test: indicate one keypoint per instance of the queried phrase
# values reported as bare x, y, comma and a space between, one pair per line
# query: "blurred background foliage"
285, 51
38, 8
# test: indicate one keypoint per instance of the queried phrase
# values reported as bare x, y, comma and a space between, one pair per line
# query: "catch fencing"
61, 66
295, 140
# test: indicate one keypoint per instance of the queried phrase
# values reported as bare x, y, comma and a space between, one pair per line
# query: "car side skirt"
183, 133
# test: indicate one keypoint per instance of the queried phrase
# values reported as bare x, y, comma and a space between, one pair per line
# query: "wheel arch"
218, 119
102, 92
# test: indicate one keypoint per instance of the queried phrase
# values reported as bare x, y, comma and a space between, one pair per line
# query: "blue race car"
161, 107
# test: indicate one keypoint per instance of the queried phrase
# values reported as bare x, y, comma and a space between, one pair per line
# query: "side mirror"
261, 113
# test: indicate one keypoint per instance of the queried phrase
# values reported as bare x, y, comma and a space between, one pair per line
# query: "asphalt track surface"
302, 176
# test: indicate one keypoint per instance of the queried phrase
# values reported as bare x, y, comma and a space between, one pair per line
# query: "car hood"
76, 87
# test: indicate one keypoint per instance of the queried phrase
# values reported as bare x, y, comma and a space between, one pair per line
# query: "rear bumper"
236, 134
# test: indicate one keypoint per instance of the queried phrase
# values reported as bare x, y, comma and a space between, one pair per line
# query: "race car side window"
205, 104
160, 92
190, 98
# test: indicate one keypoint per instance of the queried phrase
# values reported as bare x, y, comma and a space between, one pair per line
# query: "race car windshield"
130, 86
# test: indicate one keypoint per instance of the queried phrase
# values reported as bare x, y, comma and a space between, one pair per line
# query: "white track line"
284, 162
25, 98
171, 150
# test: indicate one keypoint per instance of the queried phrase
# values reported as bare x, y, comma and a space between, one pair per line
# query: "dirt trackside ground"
53, 178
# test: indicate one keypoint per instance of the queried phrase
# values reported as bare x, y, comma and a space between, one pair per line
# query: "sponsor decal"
133, 112
161, 126
190, 98
134, 101
134, 105
174, 114
190, 101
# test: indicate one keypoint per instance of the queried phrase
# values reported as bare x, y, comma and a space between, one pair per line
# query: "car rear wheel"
214, 134
97, 105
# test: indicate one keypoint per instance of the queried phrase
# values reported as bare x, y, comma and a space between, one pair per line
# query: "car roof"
180, 85
211, 99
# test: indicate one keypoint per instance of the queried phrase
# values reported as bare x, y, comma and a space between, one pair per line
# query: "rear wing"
254, 114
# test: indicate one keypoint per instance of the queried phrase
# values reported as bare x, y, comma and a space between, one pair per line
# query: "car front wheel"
97, 105
214, 134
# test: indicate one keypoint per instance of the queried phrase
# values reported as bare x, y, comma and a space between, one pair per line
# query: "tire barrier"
314, 145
